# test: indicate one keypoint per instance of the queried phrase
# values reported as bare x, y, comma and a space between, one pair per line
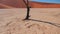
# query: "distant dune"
44, 5
20, 4
13, 3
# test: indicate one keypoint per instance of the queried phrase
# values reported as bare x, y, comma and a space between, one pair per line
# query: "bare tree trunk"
28, 9
27, 16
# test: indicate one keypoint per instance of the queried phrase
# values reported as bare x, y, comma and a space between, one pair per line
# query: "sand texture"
42, 21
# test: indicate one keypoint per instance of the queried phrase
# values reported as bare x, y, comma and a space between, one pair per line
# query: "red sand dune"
44, 5
12, 3
20, 4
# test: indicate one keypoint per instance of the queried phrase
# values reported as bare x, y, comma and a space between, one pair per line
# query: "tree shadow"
51, 23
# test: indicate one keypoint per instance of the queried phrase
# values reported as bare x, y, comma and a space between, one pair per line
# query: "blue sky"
47, 1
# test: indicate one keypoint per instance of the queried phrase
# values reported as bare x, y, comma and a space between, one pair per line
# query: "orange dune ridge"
20, 4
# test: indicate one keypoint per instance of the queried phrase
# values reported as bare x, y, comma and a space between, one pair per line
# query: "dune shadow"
51, 23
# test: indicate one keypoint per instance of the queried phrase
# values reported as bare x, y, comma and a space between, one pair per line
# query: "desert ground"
42, 21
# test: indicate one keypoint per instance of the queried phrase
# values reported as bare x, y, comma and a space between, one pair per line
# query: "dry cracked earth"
42, 21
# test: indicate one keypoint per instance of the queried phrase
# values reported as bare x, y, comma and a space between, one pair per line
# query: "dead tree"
28, 9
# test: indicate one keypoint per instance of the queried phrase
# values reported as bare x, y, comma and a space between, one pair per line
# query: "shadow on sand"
51, 23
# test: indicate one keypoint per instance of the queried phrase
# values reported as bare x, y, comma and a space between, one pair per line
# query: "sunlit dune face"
44, 5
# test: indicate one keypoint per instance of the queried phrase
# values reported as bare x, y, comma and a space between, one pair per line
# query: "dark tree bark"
28, 9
